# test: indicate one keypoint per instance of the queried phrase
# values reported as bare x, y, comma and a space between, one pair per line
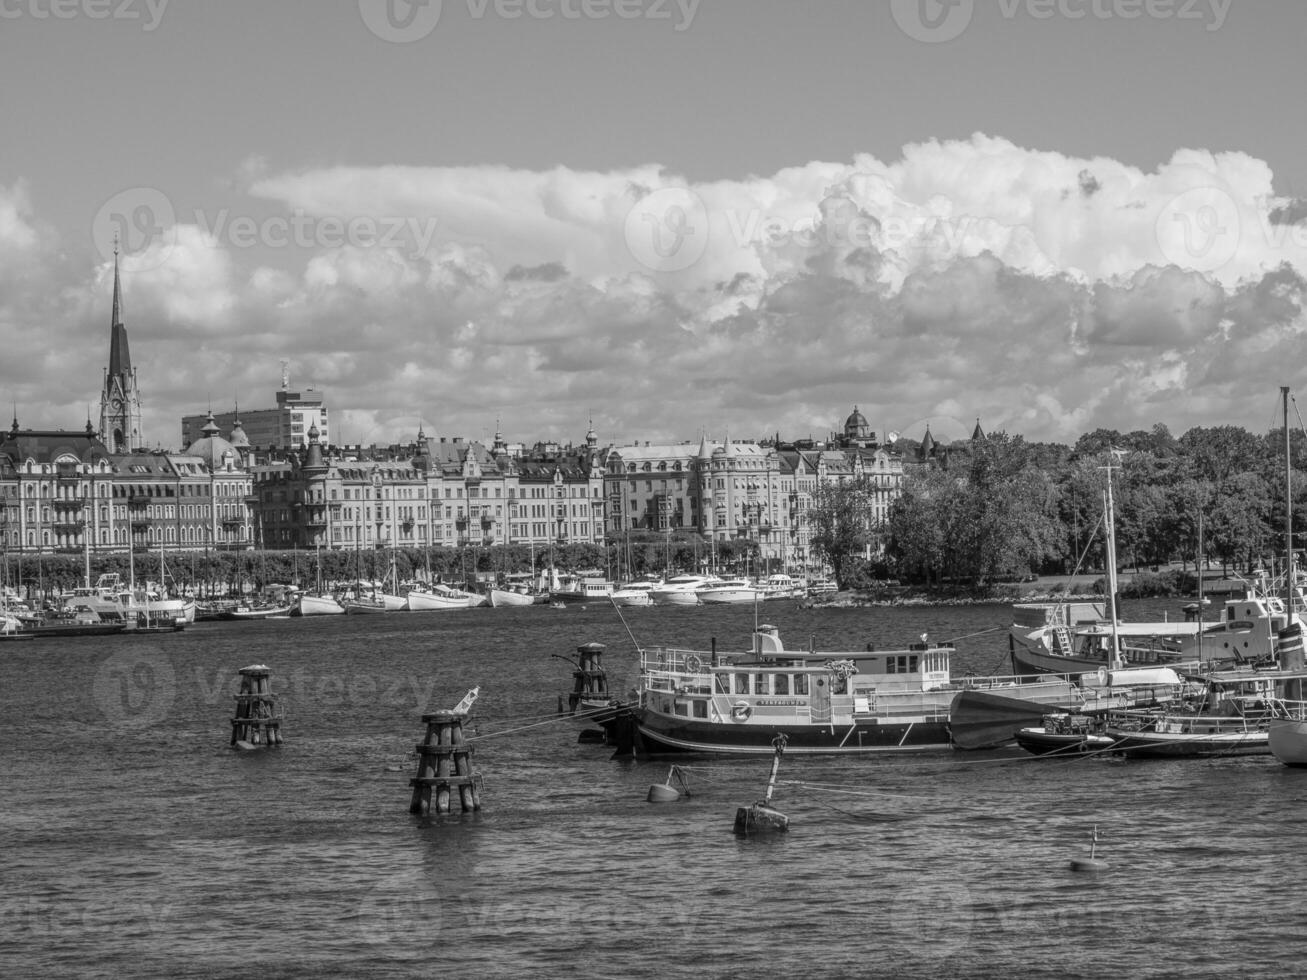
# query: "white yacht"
635, 593
734, 591
681, 590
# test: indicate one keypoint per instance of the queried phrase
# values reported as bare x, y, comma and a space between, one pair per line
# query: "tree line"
1003, 508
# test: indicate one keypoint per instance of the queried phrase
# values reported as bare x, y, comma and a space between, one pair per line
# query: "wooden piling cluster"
590, 681
445, 762
257, 723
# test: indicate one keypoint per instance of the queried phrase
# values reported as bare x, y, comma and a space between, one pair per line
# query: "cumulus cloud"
1044, 293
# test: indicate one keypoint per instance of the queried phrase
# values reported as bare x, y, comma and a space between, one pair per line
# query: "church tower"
120, 400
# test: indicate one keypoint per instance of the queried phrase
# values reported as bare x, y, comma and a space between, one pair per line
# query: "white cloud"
1047, 294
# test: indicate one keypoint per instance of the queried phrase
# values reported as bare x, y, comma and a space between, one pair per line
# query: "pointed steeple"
977, 434
120, 399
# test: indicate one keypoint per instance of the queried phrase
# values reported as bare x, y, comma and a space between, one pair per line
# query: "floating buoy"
665, 792
1091, 863
762, 817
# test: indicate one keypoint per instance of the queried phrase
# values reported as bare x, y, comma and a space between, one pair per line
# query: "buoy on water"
665, 792
762, 818
1091, 863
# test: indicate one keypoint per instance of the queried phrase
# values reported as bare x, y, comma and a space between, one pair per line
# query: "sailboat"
1237, 708
319, 602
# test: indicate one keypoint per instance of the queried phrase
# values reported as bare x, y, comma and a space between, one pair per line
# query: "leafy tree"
840, 519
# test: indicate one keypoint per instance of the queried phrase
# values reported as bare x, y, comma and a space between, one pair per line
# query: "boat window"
782, 685
800, 683
741, 683
723, 683
699, 708
761, 683
680, 708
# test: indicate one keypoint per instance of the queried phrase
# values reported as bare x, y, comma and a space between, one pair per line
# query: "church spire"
120, 400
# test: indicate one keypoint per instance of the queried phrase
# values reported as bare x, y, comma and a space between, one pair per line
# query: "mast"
1110, 534
1288, 511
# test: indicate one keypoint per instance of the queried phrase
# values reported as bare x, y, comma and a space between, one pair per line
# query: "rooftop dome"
855, 426
213, 448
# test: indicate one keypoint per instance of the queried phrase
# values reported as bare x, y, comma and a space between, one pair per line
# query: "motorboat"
681, 590
732, 591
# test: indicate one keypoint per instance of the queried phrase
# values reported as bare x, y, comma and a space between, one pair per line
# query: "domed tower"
856, 430
218, 454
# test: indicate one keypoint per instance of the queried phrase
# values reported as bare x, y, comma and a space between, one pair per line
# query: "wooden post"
590, 687
257, 723
445, 762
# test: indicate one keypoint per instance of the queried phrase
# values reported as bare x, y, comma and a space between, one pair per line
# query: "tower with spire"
120, 398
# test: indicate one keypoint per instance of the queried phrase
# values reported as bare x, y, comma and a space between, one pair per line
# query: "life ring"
741, 710
693, 663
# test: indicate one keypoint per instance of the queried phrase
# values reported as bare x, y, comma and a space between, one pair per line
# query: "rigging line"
967, 636
879, 818
625, 626
561, 719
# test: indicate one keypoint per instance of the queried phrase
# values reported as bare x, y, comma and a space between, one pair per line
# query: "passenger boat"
581, 588
843, 702
729, 591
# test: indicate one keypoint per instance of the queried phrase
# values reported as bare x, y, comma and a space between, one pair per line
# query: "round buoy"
1088, 864
663, 793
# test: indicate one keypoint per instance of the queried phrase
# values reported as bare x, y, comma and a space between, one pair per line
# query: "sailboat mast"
1288, 510
1110, 528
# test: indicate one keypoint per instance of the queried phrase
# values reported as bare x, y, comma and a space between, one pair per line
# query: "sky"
662, 218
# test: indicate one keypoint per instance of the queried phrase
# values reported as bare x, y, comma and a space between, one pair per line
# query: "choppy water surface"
134, 842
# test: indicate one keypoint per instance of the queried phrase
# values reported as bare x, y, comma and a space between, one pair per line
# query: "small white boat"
501, 597
781, 586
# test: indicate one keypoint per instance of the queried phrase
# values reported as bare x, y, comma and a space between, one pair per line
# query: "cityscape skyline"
1085, 234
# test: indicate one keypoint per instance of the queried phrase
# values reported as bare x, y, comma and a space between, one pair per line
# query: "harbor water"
135, 843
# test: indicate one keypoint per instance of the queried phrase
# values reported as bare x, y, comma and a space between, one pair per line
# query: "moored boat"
681, 590
634, 594
257, 610
1064, 733
317, 604
850, 702
731, 591
581, 588
438, 598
